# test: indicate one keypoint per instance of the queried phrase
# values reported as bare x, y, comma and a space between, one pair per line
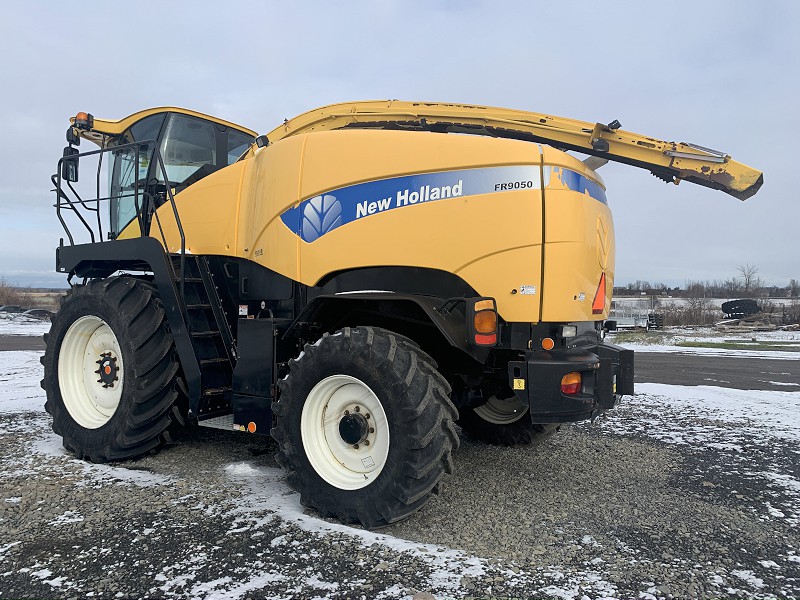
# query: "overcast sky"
725, 75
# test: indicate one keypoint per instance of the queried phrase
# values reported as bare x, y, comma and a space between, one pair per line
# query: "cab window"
189, 150
238, 142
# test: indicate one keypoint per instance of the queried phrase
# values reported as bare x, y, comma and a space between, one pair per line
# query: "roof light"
84, 120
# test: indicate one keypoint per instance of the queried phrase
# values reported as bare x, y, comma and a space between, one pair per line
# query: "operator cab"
190, 145
191, 148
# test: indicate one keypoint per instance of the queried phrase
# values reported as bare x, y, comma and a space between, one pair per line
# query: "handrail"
74, 202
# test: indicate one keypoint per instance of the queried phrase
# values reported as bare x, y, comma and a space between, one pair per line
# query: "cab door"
190, 149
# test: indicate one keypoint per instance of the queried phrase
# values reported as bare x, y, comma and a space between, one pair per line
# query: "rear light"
486, 321
599, 303
548, 344
482, 321
571, 384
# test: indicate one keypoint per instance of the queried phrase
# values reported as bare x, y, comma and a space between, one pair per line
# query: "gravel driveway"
681, 492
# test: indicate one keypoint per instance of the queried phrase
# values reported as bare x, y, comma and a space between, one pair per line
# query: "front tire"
110, 371
364, 426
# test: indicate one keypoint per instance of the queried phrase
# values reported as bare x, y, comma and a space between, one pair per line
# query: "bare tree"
794, 288
9, 294
749, 280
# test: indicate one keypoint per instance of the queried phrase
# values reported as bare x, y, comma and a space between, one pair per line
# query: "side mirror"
69, 164
73, 139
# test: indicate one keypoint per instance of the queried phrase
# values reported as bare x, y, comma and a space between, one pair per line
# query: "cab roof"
109, 127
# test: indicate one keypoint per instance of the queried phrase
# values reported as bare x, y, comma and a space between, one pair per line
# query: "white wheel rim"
345, 465
502, 411
91, 403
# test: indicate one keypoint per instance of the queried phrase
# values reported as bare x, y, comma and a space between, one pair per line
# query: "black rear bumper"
606, 371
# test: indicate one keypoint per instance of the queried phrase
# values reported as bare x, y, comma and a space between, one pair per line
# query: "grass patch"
640, 336
733, 345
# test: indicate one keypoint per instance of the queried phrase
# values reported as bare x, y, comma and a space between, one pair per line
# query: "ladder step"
217, 391
204, 334
198, 306
213, 361
190, 280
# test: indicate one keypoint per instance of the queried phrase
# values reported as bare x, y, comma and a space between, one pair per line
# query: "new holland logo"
321, 214
312, 219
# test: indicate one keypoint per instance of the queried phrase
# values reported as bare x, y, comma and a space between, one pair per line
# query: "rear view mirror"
73, 139
69, 164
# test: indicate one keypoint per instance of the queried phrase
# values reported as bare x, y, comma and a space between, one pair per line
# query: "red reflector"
599, 303
486, 340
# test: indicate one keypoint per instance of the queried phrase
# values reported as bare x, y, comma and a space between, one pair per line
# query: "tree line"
746, 284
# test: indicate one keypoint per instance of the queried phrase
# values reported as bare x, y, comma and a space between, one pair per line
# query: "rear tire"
504, 422
130, 405
364, 426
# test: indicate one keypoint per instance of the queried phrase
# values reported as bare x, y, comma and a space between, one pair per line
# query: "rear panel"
579, 241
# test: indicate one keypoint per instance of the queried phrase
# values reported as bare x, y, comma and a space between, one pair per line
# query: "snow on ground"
668, 340
17, 324
20, 374
720, 420
733, 353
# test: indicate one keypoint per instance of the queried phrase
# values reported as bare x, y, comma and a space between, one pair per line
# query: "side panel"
487, 234
579, 241
271, 187
207, 211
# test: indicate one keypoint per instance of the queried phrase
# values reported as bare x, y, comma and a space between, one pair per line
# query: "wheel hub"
107, 370
353, 428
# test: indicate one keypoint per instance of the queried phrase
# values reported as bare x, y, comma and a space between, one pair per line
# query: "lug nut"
366, 416
355, 446
372, 430
366, 442
357, 409
347, 412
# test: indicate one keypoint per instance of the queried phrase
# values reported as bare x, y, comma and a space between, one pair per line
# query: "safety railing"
146, 199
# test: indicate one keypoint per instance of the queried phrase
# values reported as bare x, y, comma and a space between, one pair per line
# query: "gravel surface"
680, 492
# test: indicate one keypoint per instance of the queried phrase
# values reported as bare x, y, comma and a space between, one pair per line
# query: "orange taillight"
485, 321
483, 327
571, 383
599, 303
548, 343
